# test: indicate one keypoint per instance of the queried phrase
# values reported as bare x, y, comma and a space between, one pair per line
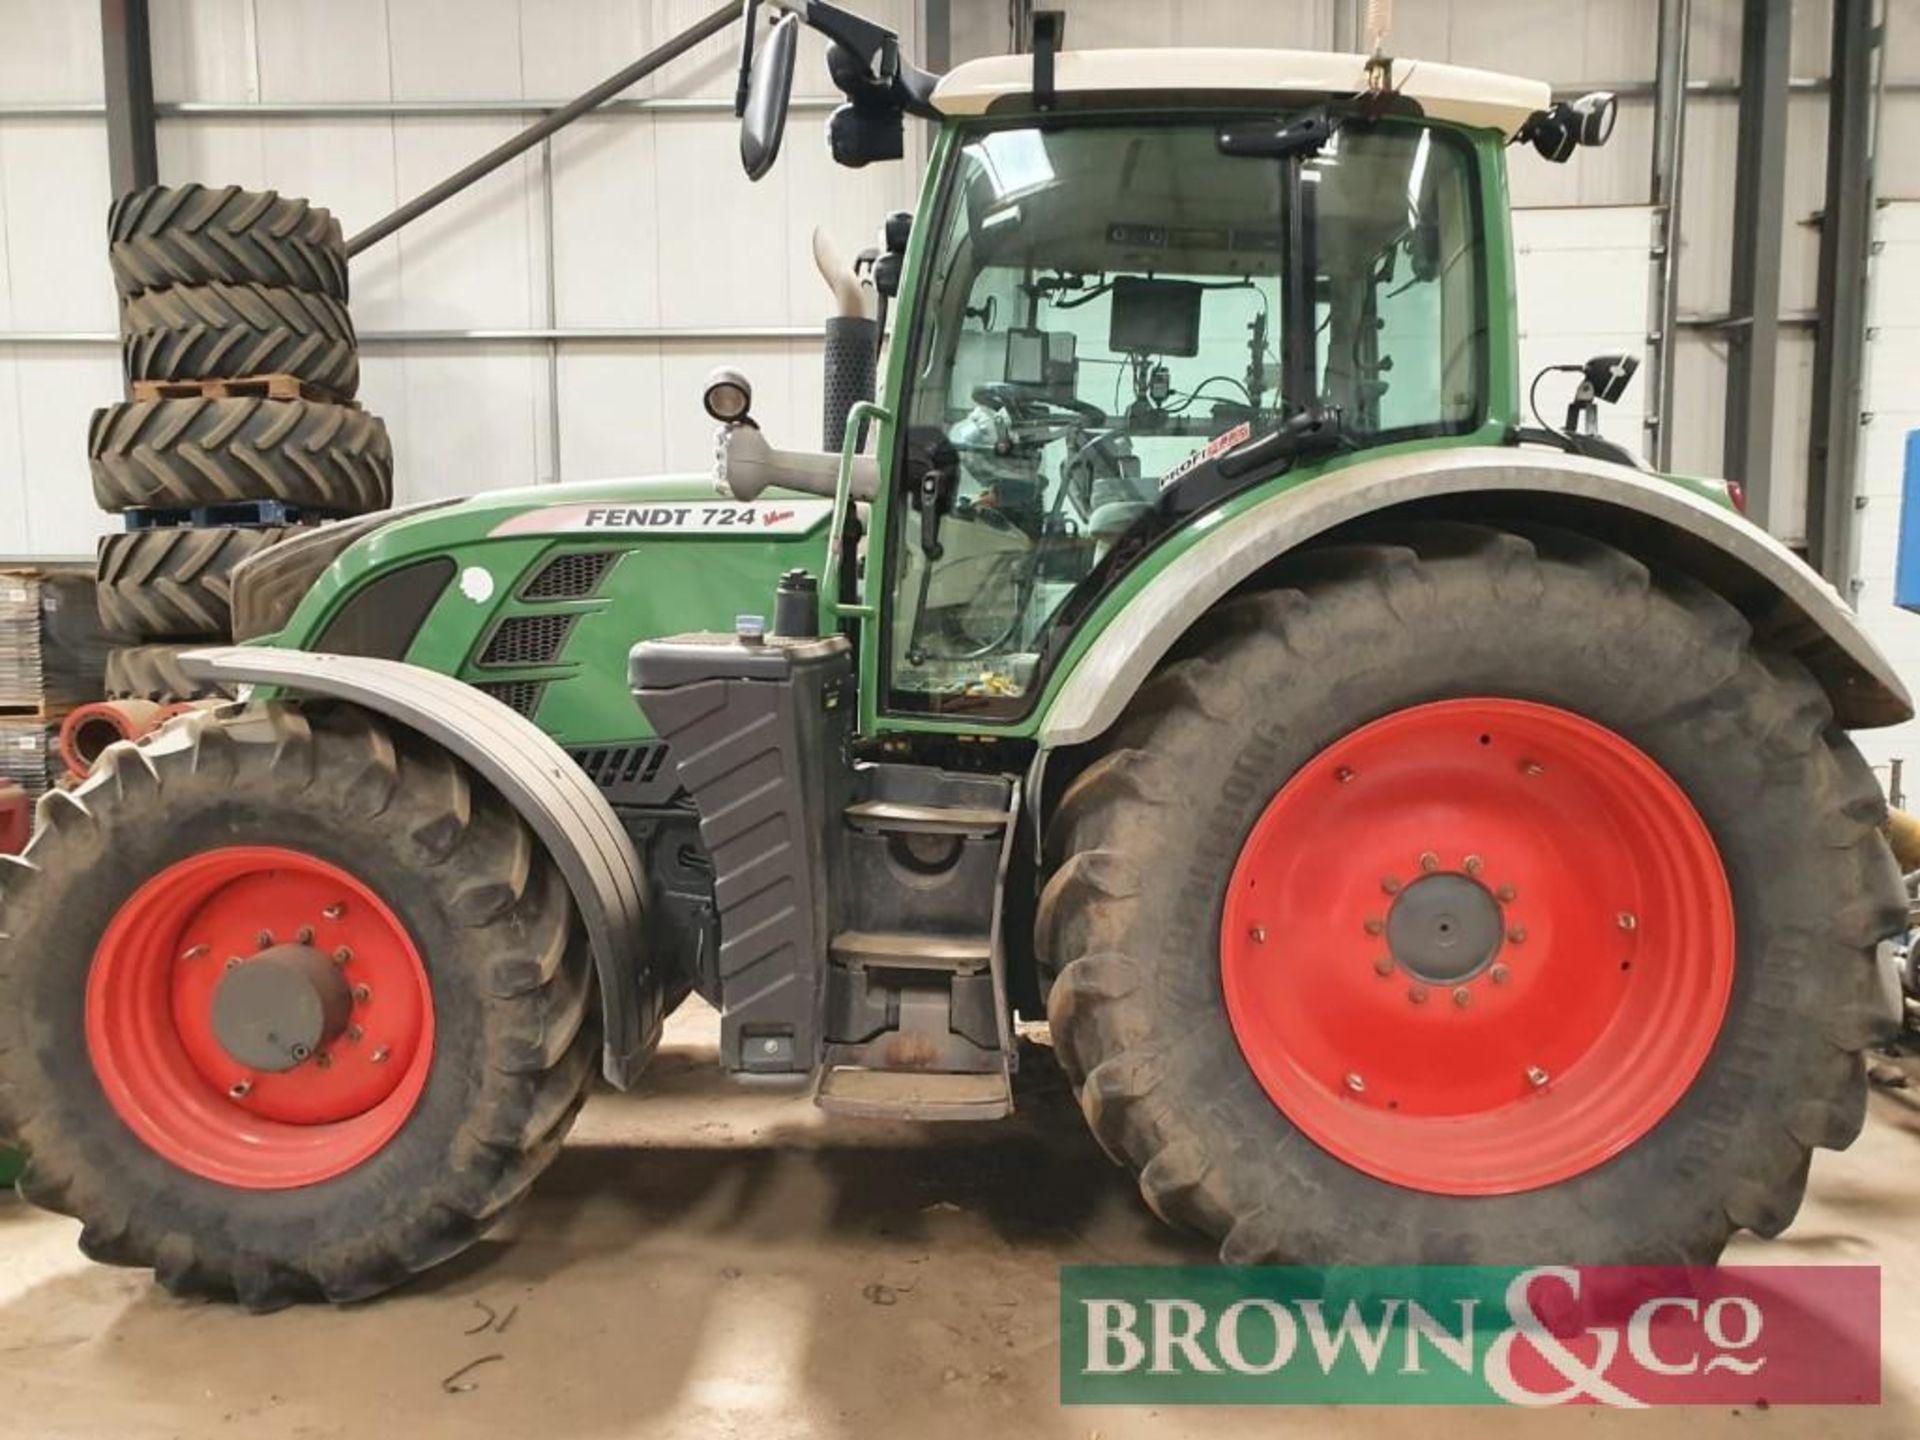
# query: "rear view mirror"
763, 119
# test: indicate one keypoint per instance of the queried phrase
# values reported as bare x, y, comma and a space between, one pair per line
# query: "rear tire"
154, 672
224, 332
175, 582
201, 235
1132, 944
510, 1044
180, 454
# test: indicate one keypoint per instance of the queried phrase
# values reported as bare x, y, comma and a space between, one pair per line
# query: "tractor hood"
535, 595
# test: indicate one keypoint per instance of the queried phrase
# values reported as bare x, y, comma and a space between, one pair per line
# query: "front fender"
1787, 602
552, 794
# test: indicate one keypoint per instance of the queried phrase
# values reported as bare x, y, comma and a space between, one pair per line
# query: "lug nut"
1355, 1083
240, 1089
1390, 885
264, 939
305, 935
233, 962
1417, 994
335, 910
323, 1060
362, 994
1518, 934
1383, 965
1536, 1077
1257, 935
1499, 974
1506, 894
1375, 925
1462, 996
1473, 864
1627, 920
354, 1032
1429, 860
343, 956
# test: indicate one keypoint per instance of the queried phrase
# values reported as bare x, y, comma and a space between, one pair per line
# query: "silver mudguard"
551, 793
1788, 603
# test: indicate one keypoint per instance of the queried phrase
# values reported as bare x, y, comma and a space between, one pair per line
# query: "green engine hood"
472, 583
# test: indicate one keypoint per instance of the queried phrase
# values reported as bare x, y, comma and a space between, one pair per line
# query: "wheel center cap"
273, 1011
1444, 928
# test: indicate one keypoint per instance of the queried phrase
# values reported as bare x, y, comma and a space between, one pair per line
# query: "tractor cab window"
1111, 308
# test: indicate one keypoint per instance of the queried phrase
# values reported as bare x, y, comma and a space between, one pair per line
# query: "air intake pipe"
852, 344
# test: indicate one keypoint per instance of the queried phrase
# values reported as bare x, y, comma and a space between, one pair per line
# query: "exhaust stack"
852, 343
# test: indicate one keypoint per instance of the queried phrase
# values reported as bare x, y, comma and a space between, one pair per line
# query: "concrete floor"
704, 1261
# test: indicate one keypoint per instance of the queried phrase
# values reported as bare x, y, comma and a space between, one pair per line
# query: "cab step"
915, 1094
903, 818
938, 954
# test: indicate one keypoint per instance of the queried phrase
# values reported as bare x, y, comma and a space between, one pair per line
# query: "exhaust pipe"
852, 344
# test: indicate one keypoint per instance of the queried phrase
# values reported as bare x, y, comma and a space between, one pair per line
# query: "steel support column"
1759, 225
127, 60
1846, 241
1669, 142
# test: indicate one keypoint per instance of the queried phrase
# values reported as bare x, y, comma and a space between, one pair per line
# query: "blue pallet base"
243, 513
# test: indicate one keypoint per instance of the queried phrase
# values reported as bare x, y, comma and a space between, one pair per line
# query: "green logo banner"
1436, 1335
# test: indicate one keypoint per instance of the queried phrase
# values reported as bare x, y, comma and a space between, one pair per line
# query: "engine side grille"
527, 640
637, 774
522, 696
569, 577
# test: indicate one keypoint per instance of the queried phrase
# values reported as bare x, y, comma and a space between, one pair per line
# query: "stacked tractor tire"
242, 367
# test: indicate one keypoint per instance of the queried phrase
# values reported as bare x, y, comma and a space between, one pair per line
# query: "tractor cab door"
1107, 309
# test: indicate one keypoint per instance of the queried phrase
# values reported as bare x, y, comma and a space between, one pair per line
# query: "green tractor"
1430, 838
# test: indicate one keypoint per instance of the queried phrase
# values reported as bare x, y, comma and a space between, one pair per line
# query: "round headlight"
728, 396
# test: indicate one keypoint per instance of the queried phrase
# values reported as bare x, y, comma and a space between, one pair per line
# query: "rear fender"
1788, 604
552, 794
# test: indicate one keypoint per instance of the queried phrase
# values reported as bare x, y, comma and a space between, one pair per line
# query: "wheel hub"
276, 1010
1444, 929
1476, 947
260, 1017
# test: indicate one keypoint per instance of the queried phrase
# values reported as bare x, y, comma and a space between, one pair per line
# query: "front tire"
1203, 1022
276, 837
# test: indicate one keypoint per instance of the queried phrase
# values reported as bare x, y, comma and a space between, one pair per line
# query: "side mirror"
763, 119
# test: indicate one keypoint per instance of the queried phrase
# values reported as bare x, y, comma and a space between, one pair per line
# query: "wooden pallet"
243, 387
49, 712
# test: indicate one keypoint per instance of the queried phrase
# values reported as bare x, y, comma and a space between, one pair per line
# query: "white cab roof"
1452, 93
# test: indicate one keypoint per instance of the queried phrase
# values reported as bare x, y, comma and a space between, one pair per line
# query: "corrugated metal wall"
654, 228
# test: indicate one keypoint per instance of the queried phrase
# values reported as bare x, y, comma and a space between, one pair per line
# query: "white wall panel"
57, 389
455, 49
50, 50
606, 222
1582, 278
203, 50
54, 176
323, 50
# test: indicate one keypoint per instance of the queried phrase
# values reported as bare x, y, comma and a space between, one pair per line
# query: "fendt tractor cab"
1430, 838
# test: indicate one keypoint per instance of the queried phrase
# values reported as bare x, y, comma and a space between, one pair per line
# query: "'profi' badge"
704, 517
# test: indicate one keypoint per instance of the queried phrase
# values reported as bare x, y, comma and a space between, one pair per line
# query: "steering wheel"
1029, 402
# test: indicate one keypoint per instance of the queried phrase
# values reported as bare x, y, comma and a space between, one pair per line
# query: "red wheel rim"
1355, 943
152, 1038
